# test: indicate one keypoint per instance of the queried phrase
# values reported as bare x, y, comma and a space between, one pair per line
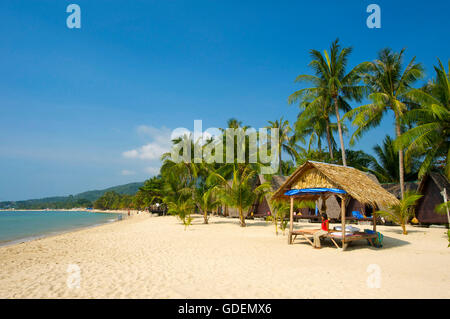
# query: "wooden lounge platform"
308, 217
315, 181
348, 238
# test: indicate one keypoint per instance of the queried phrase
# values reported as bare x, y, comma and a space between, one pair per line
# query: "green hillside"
78, 200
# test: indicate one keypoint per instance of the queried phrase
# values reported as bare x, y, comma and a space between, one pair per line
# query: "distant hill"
91, 196
128, 189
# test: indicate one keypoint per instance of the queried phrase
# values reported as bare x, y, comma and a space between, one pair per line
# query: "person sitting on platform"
323, 231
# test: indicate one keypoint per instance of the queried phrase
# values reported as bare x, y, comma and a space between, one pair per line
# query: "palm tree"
390, 87
284, 140
430, 138
281, 211
331, 83
182, 209
386, 168
177, 194
314, 118
402, 212
239, 192
206, 200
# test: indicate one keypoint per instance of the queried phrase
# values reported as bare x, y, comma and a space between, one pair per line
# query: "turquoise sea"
17, 226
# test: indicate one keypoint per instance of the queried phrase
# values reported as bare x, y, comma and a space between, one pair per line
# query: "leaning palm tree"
402, 212
240, 192
390, 86
431, 136
284, 140
332, 82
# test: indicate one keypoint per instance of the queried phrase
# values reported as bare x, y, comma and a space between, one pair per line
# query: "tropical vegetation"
329, 108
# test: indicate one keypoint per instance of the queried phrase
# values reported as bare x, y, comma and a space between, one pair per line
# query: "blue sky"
75, 102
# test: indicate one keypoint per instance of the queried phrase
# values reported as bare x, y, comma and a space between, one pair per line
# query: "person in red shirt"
323, 231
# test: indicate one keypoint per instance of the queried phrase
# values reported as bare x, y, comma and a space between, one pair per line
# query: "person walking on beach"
323, 231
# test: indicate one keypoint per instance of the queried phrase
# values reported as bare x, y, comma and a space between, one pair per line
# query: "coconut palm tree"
240, 192
389, 85
314, 121
332, 85
430, 138
386, 168
385, 165
284, 140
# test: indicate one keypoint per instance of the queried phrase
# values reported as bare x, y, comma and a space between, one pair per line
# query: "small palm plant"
178, 195
402, 212
182, 209
206, 200
282, 210
240, 192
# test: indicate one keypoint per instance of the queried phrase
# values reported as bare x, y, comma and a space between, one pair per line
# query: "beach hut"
314, 180
262, 208
431, 186
394, 188
353, 205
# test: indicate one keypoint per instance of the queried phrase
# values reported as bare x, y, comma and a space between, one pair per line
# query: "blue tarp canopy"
314, 191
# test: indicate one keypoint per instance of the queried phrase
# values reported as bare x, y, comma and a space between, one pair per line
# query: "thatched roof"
355, 182
275, 182
440, 180
394, 188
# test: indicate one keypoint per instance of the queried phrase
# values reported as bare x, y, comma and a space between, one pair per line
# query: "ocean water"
17, 226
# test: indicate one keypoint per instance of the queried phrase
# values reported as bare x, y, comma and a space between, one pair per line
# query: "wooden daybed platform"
314, 180
348, 238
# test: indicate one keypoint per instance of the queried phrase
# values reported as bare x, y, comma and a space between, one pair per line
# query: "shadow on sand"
388, 243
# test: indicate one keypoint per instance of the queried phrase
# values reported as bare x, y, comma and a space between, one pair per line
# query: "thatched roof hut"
262, 208
314, 180
431, 187
356, 183
394, 188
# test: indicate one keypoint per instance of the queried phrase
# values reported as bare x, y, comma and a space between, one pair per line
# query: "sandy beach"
153, 257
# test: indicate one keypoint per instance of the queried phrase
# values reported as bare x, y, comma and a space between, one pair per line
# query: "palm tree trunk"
341, 138
404, 229
400, 158
241, 217
329, 140
279, 160
205, 217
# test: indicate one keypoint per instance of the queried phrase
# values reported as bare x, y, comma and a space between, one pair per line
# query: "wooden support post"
343, 220
374, 219
291, 221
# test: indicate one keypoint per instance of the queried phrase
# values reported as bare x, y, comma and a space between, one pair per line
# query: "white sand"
153, 257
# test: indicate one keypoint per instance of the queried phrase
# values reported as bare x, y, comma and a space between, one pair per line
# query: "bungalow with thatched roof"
353, 205
431, 186
314, 180
262, 208
394, 188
